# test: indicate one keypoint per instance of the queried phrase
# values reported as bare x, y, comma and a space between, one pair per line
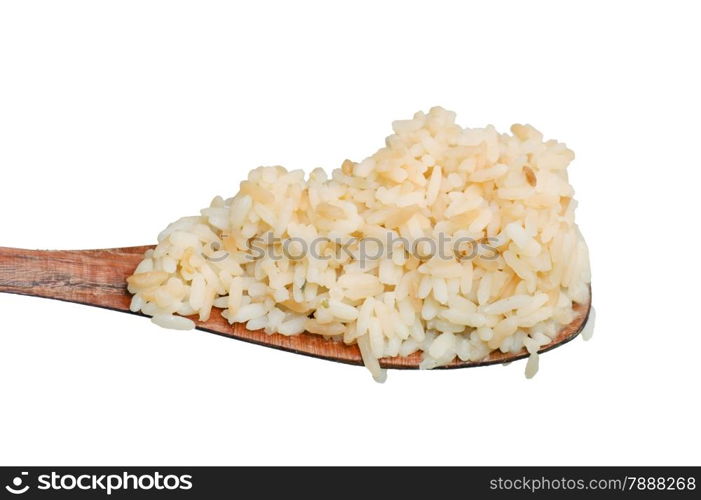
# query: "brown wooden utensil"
98, 278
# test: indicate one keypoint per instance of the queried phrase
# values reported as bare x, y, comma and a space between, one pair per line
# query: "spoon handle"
92, 277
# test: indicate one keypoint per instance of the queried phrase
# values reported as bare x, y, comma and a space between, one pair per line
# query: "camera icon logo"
16, 488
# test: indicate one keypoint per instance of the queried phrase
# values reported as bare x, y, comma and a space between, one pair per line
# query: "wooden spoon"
98, 278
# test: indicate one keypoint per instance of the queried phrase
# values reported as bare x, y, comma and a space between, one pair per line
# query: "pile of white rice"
432, 178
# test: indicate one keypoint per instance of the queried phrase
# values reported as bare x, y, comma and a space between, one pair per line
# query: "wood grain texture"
98, 278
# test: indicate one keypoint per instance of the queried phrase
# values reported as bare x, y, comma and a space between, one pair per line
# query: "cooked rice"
433, 177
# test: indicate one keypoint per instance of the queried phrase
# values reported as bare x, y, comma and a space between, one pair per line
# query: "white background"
118, 117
